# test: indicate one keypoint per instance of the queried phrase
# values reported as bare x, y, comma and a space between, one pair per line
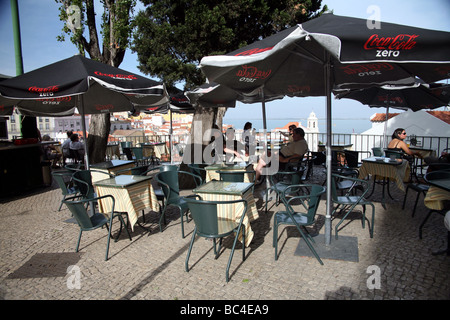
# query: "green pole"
17, 41
28, 125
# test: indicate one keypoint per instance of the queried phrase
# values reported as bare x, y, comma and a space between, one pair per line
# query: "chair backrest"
59, 178
79, 212
235, 175
196, 169
320, 158
351, 158
137, 171
205, 215
395, 153
312, 198
83, 180
138, 152
169, 184
377, 152
168, 167
125, 144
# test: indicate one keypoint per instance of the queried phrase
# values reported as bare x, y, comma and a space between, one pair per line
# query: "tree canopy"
171, 36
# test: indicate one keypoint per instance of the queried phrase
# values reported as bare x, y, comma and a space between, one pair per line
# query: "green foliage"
172, 36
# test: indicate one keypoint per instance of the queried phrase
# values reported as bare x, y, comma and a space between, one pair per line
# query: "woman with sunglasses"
397, 143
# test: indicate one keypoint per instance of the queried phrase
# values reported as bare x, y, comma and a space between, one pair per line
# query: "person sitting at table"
290, 133
219, 147
50, 152
397, 143
76, 147
234, 150
292, 150
65, 145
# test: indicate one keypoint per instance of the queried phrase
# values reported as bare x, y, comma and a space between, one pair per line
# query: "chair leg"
78, 242
404, 199
161, 218
186, 264
311, 247
227, 277
424, 221
415, 203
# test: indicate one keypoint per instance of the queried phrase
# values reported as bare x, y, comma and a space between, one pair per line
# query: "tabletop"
121, 181
383, 160
111, 164
222, 187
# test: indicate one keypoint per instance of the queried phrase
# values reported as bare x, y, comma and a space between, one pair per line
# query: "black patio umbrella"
332, 52
78, 82
416, 97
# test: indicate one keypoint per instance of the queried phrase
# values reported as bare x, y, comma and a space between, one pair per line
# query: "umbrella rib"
308, 55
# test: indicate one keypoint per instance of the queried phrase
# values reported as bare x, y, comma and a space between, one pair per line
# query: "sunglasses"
403, 133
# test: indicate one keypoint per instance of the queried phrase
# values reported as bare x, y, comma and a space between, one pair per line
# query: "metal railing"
358, 142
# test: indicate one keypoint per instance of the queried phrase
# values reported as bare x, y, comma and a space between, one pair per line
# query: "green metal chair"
377, 152
348, 202
64, 181
125, 146
236, 175
198, 170
89, 223
138, 153
83, 180
167, 178
208, 225
310, 198
280, 181
394, 153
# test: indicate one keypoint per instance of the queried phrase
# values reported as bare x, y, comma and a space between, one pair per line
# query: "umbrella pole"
328, 151
263, 104
83, 126
385, 144
171, 137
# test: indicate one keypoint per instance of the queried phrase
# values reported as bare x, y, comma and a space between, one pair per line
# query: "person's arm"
408, 151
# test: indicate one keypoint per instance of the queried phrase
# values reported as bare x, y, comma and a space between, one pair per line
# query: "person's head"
69, 133
74, 137
230, 133
292, 128
248, 125
399, 133
46, 137
298, 134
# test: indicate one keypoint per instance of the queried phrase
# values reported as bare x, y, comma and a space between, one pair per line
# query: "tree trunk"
203, 120
98, 137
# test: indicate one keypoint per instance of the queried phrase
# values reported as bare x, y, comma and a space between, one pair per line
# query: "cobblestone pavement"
151, 266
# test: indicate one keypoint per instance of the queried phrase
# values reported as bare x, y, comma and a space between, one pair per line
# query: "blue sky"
40, 25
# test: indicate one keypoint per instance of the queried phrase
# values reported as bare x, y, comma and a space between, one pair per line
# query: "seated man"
292, 150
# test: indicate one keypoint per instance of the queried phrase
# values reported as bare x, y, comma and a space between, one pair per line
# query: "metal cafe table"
110, 167
131, 194
229, 191
212, 174
396, 170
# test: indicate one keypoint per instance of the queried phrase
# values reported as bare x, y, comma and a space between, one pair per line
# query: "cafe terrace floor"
37, 247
